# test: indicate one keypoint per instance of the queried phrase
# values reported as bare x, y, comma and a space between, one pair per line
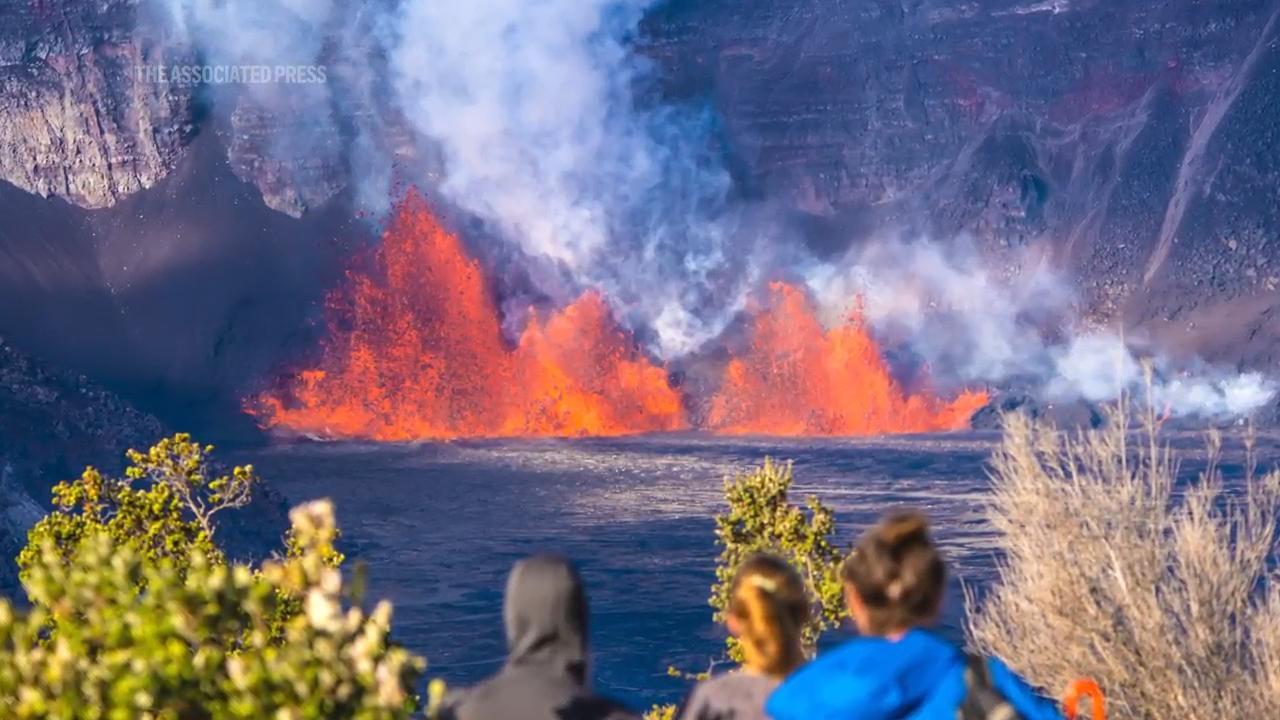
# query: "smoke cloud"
332, 119
531, 108
530, 117
532, 105
243, 32
942, 302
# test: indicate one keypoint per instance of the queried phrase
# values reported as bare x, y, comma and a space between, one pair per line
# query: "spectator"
768, 607
894, 581
545, 676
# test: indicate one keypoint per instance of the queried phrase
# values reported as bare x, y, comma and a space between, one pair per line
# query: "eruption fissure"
541, 120
798, 378
415, 351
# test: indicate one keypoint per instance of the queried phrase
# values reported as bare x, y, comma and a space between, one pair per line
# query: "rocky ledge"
91, 111
53, 423
78, 117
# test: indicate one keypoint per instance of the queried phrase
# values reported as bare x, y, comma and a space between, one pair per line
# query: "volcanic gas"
415, 351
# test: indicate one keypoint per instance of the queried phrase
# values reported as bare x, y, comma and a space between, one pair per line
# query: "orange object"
798, 377
1084, 687
416, 351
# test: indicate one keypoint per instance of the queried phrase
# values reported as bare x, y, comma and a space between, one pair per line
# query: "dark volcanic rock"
180, 297
52, 424
1070, 414
989, 416
292, 177
1131, 143
55, 421
1134, 142
80, 118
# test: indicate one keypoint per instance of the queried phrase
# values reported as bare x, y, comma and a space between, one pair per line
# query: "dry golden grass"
1164, 597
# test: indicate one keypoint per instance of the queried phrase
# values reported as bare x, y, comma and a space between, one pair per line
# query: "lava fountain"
797, 378
415, 351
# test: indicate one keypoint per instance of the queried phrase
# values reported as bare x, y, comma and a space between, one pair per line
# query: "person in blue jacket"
897, 670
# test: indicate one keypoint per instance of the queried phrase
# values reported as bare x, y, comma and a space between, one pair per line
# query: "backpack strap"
978, 672
982, 700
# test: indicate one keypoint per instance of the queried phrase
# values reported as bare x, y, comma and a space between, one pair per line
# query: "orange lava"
797, 378
415, 351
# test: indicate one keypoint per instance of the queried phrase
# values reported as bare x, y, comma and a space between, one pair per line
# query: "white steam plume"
329, 43
532, 106
1099, 367
253, 32
941, 301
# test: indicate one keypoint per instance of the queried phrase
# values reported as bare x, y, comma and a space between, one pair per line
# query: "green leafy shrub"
661, 712
164, 506
198, 642
761, 518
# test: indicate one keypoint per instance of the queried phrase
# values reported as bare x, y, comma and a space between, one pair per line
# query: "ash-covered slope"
52, 424
1134, 141
177, 297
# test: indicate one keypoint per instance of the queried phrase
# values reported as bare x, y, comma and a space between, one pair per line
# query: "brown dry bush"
1161, 594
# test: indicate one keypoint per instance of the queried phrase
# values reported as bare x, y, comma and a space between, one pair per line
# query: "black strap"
982, 700
981, 672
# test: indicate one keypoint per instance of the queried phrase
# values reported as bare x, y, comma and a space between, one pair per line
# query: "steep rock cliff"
79, 118
1130, 143
1133, 142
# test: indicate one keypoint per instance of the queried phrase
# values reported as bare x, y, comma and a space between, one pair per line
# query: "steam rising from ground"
941, 302
531, 109
532, 105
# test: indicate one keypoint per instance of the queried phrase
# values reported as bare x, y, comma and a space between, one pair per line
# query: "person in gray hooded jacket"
545, 676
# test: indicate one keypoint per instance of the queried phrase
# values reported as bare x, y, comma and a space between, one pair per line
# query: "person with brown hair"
768, 607
894, 581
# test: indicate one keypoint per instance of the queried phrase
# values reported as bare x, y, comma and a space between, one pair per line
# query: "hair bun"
897, 573
903, 530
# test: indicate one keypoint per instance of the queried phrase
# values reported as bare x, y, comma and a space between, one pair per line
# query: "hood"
545, 613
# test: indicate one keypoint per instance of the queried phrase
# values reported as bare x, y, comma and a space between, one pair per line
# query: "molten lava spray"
798, 379
415, 351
